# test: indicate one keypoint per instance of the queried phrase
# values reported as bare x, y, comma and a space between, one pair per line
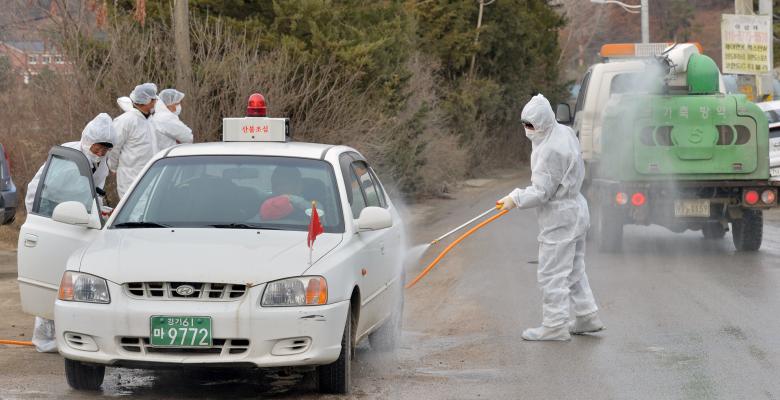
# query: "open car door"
45, 244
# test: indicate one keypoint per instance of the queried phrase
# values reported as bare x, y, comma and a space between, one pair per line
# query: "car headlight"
301, 291
76, 286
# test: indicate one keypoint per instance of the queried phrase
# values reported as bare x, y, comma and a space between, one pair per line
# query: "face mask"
178, 109
92, 157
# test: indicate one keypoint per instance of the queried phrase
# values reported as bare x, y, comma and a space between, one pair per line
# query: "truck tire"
335, 378
713, 230
748, 231
610, 231
82, 376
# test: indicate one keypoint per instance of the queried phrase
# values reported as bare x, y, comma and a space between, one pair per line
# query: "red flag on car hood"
315, 227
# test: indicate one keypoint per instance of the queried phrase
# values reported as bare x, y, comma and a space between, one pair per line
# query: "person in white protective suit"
134, 145
557, 172
169, 129
97, 139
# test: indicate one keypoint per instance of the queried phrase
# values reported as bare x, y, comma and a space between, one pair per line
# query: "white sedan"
206, 261
772, 111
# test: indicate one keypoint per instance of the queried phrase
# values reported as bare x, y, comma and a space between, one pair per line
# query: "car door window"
380, 189
583, 92
370, 191
356, 202
62, 181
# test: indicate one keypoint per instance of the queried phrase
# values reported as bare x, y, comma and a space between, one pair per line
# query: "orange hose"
451, 246
16, 342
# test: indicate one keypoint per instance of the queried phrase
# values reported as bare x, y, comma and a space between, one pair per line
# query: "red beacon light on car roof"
256, 106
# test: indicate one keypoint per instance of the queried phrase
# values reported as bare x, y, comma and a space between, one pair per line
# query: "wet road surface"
686, 318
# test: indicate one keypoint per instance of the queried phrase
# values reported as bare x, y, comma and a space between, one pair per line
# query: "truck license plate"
774, 171
692, 208
170, 331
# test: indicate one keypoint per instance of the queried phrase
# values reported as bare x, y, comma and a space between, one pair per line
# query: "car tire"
334, 378
610, 230
83, 376
748, 231
387, 337
713, 230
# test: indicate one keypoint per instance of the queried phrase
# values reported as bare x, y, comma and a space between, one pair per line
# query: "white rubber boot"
586, 324
559, 333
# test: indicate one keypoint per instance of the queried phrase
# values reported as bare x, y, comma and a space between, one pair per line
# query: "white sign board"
746, 44
254, 129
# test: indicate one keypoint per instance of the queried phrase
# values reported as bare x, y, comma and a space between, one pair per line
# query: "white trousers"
563, 282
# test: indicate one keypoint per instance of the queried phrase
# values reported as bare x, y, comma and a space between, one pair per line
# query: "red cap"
276, 208
256, 106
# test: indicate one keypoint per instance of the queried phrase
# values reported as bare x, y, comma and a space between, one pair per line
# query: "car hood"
202, 255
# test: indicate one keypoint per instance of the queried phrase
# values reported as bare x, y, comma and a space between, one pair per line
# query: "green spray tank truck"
674, 151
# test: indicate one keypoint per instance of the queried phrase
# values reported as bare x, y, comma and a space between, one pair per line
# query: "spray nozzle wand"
467, 223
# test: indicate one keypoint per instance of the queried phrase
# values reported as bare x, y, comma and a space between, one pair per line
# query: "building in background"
31, 57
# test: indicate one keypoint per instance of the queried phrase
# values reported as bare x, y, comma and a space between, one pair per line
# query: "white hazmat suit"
169, 129
557, 172
134, 139
97, 131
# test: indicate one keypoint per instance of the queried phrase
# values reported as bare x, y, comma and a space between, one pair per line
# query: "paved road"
687, 319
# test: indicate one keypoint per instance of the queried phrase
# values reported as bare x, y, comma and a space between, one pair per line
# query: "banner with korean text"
746, 44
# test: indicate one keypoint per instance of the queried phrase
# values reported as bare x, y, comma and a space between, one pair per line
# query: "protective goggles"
527, 125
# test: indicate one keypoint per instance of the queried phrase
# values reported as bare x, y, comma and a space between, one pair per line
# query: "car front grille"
185, 291
221, 347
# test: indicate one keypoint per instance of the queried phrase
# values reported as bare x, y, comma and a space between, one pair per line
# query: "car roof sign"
255, 129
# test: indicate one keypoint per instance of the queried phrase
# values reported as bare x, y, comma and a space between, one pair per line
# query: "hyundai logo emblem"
185, 290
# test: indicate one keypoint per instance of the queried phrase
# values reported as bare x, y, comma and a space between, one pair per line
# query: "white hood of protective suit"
241, 256
98, 130
124, 103
557, 172
539, 113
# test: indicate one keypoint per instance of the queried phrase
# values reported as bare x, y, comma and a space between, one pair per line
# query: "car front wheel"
82, 376
335, 378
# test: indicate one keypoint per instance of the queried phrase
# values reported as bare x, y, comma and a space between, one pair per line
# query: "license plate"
170, 331
692, 208
774, 171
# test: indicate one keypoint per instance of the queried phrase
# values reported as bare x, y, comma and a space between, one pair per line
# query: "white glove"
506, 203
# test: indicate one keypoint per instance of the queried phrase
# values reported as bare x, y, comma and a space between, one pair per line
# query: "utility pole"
482, 5
181, 38
645, 21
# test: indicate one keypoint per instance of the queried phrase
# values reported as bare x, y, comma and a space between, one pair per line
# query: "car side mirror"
71, 213
374, 219
563, 114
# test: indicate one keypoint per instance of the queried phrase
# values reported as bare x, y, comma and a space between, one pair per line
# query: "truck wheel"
82, 376
387, 337
748, 231
610, 231
335, 378
713, 230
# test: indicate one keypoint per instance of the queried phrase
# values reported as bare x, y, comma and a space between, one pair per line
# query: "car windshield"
772, 115
233, 192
